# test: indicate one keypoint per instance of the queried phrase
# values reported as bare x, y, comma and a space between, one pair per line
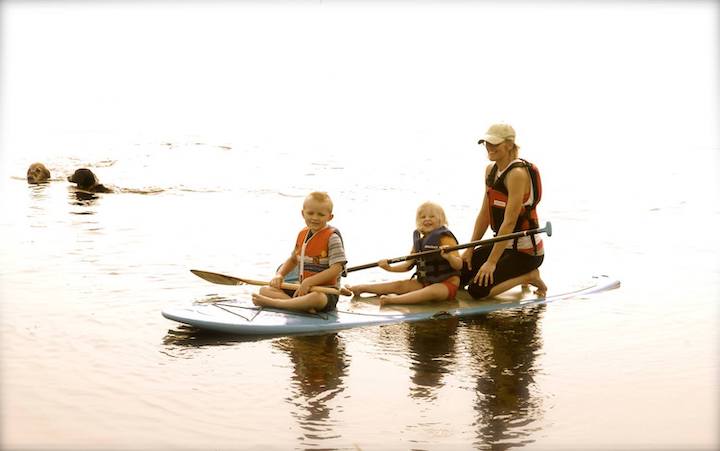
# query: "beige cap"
498, 133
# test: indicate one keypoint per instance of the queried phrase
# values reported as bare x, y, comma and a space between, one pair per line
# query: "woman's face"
498, 151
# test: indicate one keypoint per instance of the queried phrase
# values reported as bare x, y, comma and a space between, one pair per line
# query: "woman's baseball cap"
498, 133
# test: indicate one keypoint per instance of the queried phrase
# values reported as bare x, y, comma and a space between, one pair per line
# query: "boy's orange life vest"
312, 251
497, 195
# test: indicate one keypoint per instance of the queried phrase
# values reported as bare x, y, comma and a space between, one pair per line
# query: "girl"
438, 275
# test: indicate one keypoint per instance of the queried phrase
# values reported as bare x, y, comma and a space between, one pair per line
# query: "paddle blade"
214, 277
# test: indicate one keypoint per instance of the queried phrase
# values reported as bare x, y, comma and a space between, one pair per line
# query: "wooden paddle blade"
223, 279
214, 277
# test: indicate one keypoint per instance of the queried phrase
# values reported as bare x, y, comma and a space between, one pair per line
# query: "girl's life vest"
497, 195
432, 268
311, 250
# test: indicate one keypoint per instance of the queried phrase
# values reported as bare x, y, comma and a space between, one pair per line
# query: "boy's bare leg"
434, 292
398, 287
272, 292
311, 302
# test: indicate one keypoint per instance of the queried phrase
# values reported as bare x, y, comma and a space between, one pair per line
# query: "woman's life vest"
497, 195
311, 250
432, 268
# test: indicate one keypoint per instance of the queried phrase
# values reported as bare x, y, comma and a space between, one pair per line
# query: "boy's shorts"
332, 300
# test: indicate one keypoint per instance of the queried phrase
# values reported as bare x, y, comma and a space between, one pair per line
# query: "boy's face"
428, 219
316, 214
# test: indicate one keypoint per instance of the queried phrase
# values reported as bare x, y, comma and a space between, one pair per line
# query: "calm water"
212, 123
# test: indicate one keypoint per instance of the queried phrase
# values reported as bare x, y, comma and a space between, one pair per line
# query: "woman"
512, 192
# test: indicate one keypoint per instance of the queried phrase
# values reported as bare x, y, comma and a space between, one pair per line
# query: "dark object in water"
87, 181
38, 173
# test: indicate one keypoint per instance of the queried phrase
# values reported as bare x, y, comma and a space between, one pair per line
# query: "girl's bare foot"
387, 299
535, 280
356, 290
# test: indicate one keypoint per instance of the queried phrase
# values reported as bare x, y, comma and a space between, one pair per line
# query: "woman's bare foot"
535, 280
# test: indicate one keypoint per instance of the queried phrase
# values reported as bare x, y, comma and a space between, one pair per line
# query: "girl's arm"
402, 267
453, 257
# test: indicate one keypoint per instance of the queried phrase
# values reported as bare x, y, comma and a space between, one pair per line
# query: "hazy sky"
398, 73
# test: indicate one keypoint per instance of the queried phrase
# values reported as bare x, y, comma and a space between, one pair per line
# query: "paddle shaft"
224, 279
295, 286
479, 243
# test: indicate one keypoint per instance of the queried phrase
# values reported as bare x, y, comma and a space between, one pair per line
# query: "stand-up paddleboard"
244, 318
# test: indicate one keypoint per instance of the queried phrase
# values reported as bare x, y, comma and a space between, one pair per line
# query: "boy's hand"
304, 289
384, 264
276, 281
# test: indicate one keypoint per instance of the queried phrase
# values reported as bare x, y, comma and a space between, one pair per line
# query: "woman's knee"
477, 291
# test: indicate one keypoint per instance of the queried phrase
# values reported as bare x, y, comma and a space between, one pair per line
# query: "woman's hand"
467, 257
484, 276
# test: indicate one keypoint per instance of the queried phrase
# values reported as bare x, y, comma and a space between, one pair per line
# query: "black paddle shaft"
510, 236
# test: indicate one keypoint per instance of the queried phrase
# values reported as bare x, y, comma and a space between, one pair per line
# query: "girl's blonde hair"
438, 210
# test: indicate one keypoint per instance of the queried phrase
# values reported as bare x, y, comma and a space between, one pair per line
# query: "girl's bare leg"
397, 287
434, 292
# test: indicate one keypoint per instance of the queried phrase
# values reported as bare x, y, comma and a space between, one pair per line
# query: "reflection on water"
38, 191
82, 199
319, 364
494, 356
183, 338
432, 350
503, 348
500, 350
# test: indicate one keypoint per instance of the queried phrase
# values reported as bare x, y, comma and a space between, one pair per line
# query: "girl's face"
429, 219
316, 214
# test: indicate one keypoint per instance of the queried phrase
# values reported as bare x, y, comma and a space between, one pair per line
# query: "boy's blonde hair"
433, 206
320, 196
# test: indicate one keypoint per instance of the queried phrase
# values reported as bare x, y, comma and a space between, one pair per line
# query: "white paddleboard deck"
241, 317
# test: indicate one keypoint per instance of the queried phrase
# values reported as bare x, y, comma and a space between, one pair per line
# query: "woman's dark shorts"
510, 265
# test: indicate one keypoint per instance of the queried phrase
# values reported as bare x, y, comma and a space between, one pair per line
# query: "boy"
320, 254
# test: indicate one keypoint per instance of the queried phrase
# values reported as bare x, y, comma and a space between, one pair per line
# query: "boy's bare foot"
537, 282
260, 300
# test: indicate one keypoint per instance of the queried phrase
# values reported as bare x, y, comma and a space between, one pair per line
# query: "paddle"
223, 279
510, 236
